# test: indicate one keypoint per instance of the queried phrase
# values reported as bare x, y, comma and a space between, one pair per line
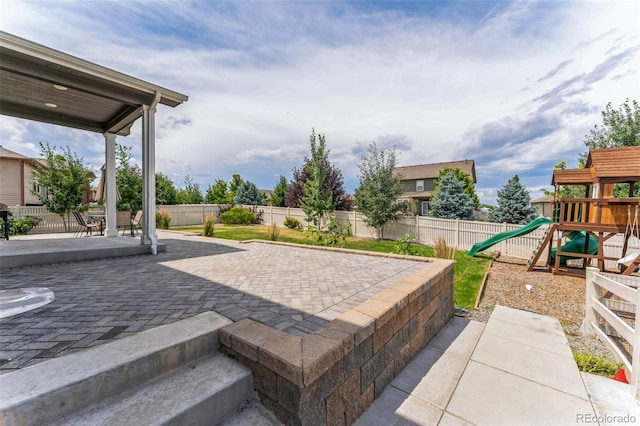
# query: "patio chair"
123, 221
83, 225
136, 222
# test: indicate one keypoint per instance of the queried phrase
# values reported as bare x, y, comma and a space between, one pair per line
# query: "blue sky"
513, 85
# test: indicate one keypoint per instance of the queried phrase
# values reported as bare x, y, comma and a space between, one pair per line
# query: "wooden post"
591, 293
635, 359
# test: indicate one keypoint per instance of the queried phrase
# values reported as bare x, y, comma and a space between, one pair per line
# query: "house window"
424, 210
419, 185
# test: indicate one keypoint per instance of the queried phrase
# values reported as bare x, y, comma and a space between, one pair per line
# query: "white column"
110, 184
148, 176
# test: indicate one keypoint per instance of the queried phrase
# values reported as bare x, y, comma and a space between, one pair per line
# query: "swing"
631, 231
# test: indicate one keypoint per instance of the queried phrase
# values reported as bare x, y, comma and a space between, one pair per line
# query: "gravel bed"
558, 296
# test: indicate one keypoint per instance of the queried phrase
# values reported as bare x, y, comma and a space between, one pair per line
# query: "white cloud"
260, 75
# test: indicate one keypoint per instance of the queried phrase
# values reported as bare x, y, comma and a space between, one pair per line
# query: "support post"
148, 176
110, 184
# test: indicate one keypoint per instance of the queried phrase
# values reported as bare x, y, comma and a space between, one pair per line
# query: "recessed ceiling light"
50, 105
60, 87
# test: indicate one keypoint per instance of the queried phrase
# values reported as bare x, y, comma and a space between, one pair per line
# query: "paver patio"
293, 289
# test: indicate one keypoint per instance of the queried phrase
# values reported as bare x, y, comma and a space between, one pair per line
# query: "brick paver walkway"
292, 289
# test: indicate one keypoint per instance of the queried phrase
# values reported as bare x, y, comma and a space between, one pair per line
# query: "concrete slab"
460, 337
432, 376
546, 338
609, 396
538, 365
449, 420
489, 396
395, 407
520, 317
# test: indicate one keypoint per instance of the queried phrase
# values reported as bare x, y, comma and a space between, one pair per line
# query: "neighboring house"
16, 182
418, 182
543, 205
15, 179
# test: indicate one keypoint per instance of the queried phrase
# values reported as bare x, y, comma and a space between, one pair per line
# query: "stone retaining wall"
331, 376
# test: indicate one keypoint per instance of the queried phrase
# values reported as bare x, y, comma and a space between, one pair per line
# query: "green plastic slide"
501, 236
575, 245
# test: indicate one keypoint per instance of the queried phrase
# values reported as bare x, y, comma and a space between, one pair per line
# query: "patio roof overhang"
42, 84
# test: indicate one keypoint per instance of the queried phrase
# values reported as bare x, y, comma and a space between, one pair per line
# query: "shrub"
274, 232
291, 222
594, 364
333, 236
442, 250
208, 225
20, 225
403, 245
238, 216
163, 219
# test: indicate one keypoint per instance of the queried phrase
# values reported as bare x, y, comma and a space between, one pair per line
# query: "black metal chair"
83, 225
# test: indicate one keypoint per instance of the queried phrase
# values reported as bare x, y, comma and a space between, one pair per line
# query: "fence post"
418, 229
457, 234
355, 221
635, 359
270, 214
503, 245
591, 293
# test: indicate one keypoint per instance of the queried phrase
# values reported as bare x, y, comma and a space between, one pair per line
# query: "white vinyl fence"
611, 313
460, 233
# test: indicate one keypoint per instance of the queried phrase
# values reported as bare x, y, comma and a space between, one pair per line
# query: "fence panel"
425, 230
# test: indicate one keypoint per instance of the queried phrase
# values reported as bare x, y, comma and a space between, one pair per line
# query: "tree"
234, 184
317, 197
218, 193
190, 194
565, 191
619, 128
513, 204
333, 182
65, 178
449, 201
128, 180
376, 196
166, 192
279, 194
248, 194
469, 186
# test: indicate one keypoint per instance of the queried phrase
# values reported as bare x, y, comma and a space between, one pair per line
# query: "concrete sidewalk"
516, 370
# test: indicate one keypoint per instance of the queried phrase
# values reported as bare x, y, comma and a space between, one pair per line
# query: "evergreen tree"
65, 177
166, 192
376, 196
279, 193
513, 204
217, 193
450, 201
248, 194
469, 186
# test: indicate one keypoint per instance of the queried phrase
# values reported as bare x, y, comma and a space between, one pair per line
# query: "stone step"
202, 392
51, 390
251, 413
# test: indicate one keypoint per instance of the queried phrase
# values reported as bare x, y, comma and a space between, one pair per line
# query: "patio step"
171, 358
202, 392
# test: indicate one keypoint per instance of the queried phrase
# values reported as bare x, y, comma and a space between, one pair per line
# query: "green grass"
599, 365
468, 271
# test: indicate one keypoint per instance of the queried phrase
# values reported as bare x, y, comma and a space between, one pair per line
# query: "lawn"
468, 271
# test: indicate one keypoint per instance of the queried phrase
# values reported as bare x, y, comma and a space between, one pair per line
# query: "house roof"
542, 200
432, 171
6, 153
42, 84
